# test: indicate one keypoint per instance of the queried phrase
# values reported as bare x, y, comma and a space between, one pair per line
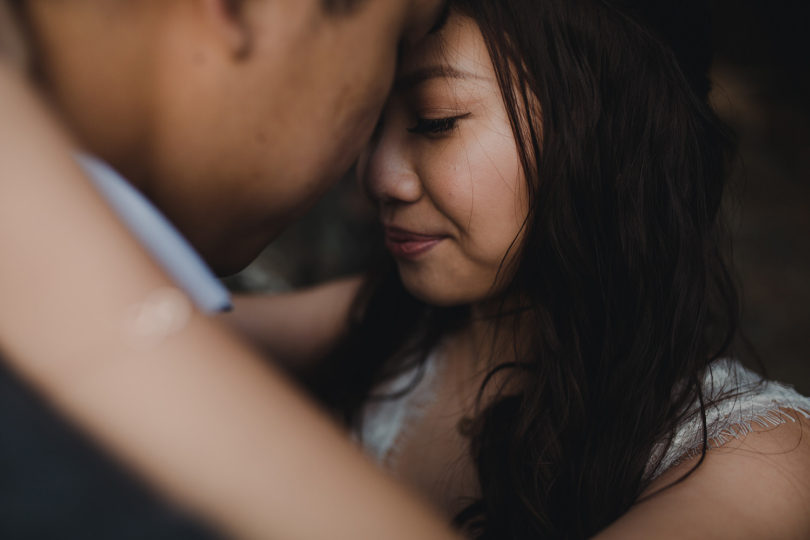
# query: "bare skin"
102, 383
752, 488
756, 487
249, 442
233, 117
227, 437
296, 329
151, 128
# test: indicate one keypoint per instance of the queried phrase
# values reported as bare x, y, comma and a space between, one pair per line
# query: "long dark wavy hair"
622, 265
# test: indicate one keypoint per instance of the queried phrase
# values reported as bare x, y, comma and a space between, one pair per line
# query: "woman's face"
444, 170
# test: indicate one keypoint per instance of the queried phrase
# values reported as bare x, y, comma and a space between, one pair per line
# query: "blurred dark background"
761, 79
762, 90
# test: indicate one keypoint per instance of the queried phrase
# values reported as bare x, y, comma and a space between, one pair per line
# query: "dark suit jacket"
55, 484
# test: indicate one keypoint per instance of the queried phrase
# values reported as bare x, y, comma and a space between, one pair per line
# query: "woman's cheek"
498, 203
449, 181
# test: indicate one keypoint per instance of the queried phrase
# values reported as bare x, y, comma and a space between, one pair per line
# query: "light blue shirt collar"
160, 238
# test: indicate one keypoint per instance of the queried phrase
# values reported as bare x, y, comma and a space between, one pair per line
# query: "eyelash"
436, 126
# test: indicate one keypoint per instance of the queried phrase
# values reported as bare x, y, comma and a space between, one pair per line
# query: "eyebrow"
419, 76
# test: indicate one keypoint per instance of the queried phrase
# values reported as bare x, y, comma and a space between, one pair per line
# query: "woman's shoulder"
754, 480
738, 401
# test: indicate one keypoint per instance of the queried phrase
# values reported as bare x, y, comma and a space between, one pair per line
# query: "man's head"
233, 116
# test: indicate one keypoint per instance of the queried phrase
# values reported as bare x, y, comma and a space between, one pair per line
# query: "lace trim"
753, 402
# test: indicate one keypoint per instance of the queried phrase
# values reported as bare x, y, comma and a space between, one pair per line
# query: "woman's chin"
438, 292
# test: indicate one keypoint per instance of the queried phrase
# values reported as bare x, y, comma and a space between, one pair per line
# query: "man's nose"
390, 176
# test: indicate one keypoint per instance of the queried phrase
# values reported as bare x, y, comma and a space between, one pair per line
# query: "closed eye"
436, 126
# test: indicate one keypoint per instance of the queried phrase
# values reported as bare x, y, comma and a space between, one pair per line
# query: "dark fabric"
54, 484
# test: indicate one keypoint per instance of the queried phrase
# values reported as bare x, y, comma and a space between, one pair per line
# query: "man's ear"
228, 21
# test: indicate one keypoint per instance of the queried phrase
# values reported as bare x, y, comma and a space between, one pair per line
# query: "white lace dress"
761, 402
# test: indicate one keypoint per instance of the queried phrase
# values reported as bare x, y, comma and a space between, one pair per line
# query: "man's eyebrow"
418, 76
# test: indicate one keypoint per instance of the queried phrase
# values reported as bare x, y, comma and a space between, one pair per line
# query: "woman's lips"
405, 244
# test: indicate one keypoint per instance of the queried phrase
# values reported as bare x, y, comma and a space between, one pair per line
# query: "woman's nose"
389, 175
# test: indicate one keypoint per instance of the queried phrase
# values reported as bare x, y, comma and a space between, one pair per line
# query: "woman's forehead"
458, 51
